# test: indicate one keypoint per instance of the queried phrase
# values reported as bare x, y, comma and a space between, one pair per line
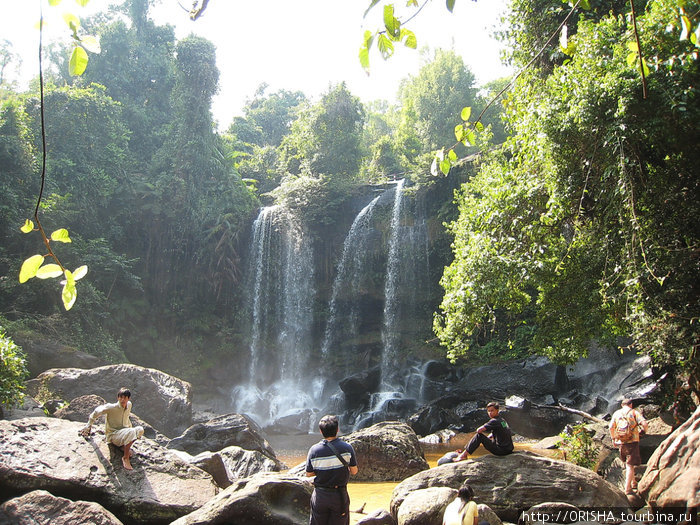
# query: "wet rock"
42, 508
260, 500
48, 453
516, 482
378, 517
221, 432
672, 476
161, 399
358, 387
299, 422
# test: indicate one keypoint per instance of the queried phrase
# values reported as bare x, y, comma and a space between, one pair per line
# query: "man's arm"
310, 474
85, 431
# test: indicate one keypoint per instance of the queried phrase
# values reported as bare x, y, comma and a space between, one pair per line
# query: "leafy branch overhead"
34, 266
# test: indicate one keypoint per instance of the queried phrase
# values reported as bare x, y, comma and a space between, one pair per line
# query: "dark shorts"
629, 453
330, 507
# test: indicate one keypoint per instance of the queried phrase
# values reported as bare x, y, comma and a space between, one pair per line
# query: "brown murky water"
365, 495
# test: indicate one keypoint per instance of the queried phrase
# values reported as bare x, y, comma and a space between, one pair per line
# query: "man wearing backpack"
625, 432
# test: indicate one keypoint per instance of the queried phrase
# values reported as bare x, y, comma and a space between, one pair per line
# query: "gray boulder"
425, 506
378, 517
387, 451
48, 453
672, 476
161, 399
43, 354
260, 500
231, 463
42, 508
510, 484
221, 432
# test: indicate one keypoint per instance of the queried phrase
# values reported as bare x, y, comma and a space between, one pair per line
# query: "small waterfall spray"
280, 347
348, 279
389, 333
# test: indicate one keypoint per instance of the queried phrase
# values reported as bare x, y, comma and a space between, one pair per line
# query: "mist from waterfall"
280, 340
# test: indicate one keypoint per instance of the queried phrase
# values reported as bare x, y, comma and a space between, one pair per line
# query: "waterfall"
347, 280
280, 337
390, 337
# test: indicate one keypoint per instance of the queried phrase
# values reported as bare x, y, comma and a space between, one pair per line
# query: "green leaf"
452, 155
585, 5
82, 3
393, 26
466, 113
479, 126
30, 267
459, 132
49, 271
471, 137
364, 58
450, 5
386, 48
90, 43
409, 38
632, 46
686, 27
60, 236
78, 62
69, 293
631, 59
445, 166
54, 2
72, 21
80, 272
645, 68
28, 226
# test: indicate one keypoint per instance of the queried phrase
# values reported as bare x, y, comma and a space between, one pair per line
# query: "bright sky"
303, 45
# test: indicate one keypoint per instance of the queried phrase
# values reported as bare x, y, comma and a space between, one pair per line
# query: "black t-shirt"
501, 432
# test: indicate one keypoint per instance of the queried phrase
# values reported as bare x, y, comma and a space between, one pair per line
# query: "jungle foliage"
583, 226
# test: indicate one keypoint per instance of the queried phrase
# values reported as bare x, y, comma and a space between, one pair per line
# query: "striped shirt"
330, 471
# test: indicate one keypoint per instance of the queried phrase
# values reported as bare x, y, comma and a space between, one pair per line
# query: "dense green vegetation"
583, 226
578, 222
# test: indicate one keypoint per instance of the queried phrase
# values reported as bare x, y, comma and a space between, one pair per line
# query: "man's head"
123, 396
328, 426
627, 402
492, 408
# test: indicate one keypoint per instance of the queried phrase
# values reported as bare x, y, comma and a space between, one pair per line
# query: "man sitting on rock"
502, 442
118, 429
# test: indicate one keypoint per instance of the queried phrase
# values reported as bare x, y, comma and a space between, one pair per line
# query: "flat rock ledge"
48, 454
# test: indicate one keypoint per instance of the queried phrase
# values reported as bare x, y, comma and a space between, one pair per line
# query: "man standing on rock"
118, 429
332, 461
502, 442
625, 433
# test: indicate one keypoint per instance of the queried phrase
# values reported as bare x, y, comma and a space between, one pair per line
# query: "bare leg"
127, 456
630, 480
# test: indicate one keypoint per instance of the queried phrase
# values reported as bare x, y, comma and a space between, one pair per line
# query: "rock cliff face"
42, 508
48, 454
672, 476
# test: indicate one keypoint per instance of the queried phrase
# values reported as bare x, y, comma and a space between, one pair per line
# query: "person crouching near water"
332, 461
118, 429
502, 442
463, 510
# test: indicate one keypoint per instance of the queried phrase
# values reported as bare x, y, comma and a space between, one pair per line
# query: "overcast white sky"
296, 45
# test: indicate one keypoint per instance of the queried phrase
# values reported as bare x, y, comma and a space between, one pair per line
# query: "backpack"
624, 425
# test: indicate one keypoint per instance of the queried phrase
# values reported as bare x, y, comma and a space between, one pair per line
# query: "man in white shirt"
118, 429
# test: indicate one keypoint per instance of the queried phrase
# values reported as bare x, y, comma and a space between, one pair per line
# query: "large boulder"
221, 432
672, 476
161, 399
42, 508
232, 463
48, 453
43, 354
387, 451
425, 506
510, 484
260, 500
532, 378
